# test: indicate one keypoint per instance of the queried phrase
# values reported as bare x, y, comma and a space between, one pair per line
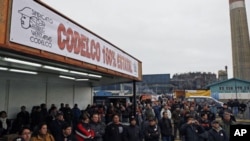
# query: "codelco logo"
36, 22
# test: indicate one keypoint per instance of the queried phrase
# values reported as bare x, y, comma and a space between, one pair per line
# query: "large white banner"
36, 26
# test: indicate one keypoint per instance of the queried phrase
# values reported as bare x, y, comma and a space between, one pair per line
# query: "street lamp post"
236, 92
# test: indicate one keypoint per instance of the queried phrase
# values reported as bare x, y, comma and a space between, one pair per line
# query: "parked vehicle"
202, 100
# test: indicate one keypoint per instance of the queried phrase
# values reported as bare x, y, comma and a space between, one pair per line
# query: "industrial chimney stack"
240, 40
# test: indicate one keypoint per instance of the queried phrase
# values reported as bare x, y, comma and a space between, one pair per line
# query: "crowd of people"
166, 120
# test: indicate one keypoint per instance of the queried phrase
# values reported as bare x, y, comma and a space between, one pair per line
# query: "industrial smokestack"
240, 40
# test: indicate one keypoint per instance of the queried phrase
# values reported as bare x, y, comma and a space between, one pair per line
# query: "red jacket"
83, 132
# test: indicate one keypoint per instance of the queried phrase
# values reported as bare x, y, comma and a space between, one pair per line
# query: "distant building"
155, 84
222, 74
160, 84
193, 80
122, 93
151, 84
233, 88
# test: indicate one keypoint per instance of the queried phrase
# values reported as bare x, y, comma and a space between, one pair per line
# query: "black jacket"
24, 118
55, 128
152, 133
133, 133
165, 126
68, 138
5, 131
114, 132
193, 132
221, 135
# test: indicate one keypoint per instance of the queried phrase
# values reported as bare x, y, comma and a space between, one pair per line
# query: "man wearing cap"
217, 133
152, 131
133, 131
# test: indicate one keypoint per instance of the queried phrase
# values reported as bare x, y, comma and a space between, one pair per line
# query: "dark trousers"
177, 127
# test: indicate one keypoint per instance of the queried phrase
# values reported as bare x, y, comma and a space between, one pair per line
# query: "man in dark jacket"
98, 127
56, 125
217, 133
165, 127
192, 130
225, 109
206, 110
242, 107
66, 134
176, 116
204, 122
24, 117
152, 131
226, 122
114, 131
76, 115
133, 131
4, 123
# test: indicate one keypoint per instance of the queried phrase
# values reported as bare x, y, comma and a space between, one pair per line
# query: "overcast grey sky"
168, 36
